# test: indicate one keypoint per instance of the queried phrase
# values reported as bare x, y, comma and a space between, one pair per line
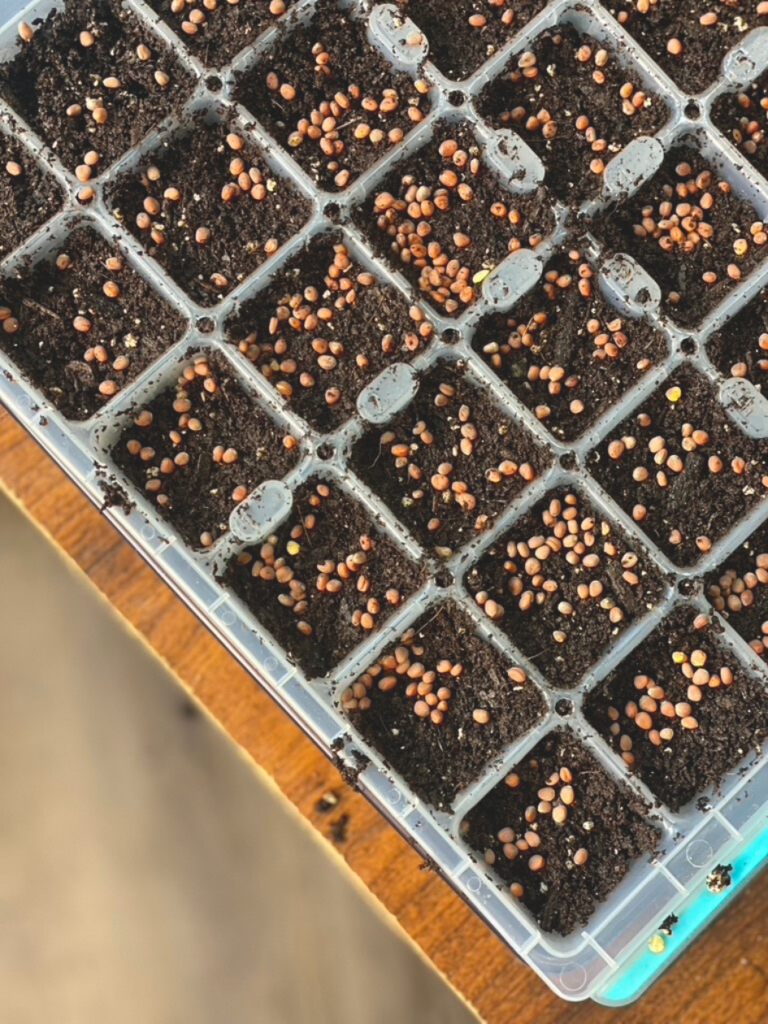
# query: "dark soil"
588, 629
567, 89
197, 162
606, 820
200, 493
490, 235
50, 351
439, 760
564, 341
697, 502
678, 271
354, 62
27, 200
698, 66
737, 344
226, 30
732, 112
55, 71
695, 759
340, 522
376, 326
498, 439
746, 619
458, 48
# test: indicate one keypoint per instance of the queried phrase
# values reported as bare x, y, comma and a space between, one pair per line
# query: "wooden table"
723, 977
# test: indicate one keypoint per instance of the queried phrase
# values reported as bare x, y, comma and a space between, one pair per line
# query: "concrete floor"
146, 876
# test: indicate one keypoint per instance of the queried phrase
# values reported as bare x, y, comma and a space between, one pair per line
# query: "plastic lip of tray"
608, 960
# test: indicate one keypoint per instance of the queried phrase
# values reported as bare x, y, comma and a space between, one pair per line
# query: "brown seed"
13, 168
537, 862
675, 47
481, 716
581, 857
26, 32
86, 39
111, 289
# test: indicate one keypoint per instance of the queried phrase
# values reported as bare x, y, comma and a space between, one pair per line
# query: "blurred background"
146, 874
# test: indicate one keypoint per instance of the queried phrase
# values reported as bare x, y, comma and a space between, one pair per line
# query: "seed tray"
676, 866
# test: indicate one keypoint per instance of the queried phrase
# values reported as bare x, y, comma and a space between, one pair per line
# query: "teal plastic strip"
695, 914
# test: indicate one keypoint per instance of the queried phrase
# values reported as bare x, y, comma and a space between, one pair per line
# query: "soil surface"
340, 524
733, 112
695, 501
736, 348
744, 605
356, 71
226, 30
679, 769
569, 88
418, 488
679, 272
557, 327
565, 641
198, 162
489, 235
136, 325
458, 48
374, 331
698, 65
27, 200
55, 71
605, 819
438, 760
200, 492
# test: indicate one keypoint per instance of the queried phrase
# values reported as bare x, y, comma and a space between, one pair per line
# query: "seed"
13, 168
581, 857
162, 79
26, 32
111, 290
481, 716
86, 39
537, 862
513, 780
675, 47
143, 52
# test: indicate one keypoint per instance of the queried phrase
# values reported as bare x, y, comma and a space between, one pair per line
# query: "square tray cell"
220, 31
563, 583
665, 709
560, 832
207, 207
29, 195
200, 447
451, 462
330, 98
741, 117
462, 35
575, 105
441, 703
327, 579
740, 347
690, 231
445, 218
689, 49
564, 351
84, 87
82, 323
738, 590
324, 328
681, 467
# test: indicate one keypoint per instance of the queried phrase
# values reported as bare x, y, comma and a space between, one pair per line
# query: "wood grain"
723, 977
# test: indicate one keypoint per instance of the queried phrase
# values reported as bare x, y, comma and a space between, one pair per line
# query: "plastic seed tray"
609, 958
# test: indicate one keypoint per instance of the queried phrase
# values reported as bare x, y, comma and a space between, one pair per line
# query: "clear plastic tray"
609, 959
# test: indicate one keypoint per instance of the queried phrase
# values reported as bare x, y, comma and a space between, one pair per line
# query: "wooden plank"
723, 977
